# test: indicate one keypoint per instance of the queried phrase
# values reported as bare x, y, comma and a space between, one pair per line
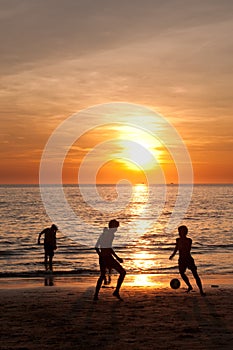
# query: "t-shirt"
184, 247
49, 237
106, 238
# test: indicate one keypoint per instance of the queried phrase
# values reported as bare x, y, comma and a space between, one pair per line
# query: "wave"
212, 246
72, 273
31, 274
85, 272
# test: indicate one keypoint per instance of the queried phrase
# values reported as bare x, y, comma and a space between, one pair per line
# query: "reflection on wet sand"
49, 281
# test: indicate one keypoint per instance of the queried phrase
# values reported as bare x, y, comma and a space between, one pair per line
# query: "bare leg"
120, 280
46, 261
198, 282
98, 285
182, 269
51, 263
186, 280
105, 278
109, 279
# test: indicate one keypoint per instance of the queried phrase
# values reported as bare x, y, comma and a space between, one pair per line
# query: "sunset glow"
143, 261
124, 56
139, 146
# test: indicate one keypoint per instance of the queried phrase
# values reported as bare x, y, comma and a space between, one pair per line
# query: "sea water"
144, 239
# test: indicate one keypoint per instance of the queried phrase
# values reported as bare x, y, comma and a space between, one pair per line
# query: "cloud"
33, 31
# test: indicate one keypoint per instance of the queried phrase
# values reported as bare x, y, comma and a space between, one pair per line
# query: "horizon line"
114, 184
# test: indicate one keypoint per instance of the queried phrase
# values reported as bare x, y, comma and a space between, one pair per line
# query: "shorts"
187, 264
108, 262
49, 250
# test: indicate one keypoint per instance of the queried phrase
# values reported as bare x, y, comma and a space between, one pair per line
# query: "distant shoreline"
108, 185
213, 281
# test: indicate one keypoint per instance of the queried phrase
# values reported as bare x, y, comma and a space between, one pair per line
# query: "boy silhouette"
108, 259
49, 245
184, 245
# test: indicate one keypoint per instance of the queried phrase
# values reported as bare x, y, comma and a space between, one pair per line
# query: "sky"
59, 57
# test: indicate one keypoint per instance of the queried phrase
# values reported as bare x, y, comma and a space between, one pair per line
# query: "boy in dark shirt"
49, 245
184, 245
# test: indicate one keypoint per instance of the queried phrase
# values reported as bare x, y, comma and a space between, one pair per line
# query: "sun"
137, 154
138, 149
115, 152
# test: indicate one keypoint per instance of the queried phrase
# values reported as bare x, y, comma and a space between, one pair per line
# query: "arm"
175, 251
40, 234
117, 257
97, 250
97, 246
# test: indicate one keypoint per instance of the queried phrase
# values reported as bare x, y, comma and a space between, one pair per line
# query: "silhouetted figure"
106, 258
184, 245
107, 277
49, 245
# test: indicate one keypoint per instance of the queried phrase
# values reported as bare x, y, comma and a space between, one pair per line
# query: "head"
183, 231
113, 223
54, 228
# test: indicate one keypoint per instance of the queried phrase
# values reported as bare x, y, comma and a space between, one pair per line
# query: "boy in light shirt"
108, 259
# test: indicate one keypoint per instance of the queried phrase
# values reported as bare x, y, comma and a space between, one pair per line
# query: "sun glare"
123, 152
142, 281
145, 280
143, 261
141, 148
140, 197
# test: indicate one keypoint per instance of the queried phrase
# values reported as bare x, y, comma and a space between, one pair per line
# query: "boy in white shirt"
108, 259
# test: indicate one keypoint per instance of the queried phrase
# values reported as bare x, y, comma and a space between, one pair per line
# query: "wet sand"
59, 313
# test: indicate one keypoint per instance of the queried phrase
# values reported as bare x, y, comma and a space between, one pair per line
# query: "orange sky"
59, 57
120, 152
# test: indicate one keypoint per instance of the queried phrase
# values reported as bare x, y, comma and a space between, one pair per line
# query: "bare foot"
117, 295
189, 289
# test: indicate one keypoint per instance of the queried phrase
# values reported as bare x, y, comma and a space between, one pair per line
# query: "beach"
59, 313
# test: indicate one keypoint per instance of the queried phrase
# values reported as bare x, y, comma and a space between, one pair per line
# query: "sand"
38, 315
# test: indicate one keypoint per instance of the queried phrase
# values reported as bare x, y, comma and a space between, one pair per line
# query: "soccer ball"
175, 283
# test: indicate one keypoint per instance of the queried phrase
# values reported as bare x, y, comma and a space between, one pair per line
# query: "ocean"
144, 240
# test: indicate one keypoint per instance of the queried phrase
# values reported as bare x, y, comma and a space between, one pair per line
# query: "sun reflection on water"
140, 191
139, 208
143, 261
